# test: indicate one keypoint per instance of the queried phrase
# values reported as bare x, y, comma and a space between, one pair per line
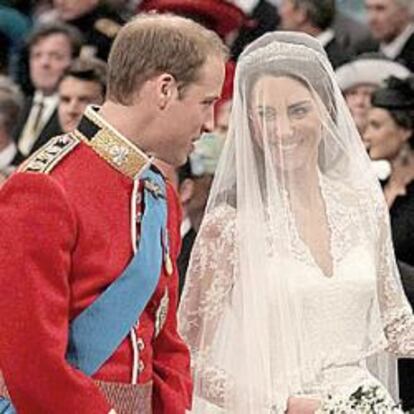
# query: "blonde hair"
152, 44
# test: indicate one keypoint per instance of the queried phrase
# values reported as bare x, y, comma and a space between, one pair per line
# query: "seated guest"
52, 48
390, 135
358, 80
83, 83
391, 24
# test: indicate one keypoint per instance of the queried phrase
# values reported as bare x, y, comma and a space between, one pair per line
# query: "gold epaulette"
110, 145
107, 27
48, 156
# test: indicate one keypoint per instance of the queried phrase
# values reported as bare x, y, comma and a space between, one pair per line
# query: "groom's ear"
166, 89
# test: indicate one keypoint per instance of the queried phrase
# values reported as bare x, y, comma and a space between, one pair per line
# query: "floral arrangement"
365, 400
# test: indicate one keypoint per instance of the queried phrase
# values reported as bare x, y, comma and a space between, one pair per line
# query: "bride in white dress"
292, 292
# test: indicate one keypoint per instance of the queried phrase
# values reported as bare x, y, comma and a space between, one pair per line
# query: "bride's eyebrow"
291, 106
300, 103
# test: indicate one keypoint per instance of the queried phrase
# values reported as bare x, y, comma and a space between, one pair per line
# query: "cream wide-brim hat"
368, 71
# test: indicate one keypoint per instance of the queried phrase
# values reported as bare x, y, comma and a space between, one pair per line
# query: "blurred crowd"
52, 65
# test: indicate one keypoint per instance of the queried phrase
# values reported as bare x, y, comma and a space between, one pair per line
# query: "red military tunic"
65, 223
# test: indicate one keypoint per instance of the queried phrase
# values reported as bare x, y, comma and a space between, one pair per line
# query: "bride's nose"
284, 128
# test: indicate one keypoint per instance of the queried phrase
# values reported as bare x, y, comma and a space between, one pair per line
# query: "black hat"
396, 94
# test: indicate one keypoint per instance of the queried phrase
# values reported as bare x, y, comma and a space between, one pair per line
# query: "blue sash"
100, 328
98, 331
6, 406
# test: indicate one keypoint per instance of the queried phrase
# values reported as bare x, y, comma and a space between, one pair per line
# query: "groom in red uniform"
90, 234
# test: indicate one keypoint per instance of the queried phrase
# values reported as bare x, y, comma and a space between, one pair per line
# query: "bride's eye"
267, 114
299, 112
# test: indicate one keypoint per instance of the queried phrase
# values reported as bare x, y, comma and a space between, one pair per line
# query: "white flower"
365, 400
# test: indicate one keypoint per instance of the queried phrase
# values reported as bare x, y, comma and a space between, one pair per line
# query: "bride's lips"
290, 145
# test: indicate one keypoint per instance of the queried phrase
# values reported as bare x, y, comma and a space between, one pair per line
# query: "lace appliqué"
397, 316
344, 224
213, 267
213, 270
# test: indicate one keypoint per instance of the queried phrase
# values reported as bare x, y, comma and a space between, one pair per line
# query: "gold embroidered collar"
113, 147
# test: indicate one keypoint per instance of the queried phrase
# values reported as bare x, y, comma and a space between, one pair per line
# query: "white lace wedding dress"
338, 311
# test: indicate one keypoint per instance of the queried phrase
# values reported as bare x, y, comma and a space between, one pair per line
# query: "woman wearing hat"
390, 136
358, 80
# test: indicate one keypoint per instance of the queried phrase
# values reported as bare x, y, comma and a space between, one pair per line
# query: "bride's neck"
303, 186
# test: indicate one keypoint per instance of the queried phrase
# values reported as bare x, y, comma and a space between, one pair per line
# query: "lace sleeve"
397, 316
209, 282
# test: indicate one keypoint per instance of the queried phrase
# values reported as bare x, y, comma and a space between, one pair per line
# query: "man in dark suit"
391, 23
51, 50
315, 17
82, 84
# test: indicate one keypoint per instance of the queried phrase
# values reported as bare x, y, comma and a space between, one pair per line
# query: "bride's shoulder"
341, 191
219, 220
